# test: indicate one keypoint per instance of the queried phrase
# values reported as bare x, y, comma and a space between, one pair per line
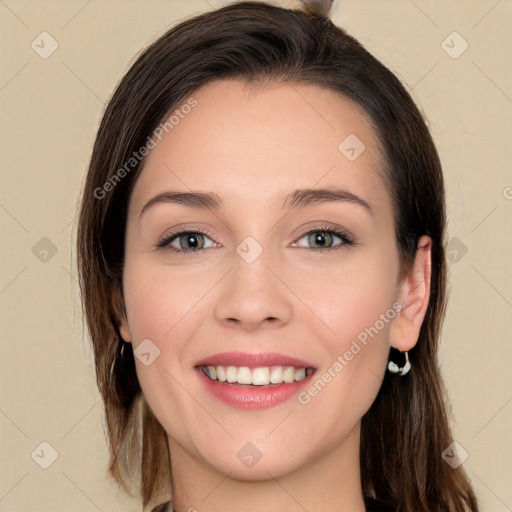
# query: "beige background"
50, 112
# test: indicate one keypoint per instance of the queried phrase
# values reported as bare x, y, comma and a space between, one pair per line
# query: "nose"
252, 296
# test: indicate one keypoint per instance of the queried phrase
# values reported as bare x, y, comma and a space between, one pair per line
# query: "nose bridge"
252, 294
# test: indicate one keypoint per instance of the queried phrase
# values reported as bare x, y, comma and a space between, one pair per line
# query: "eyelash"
164, 243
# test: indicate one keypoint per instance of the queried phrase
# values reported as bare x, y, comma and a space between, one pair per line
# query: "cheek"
358, 304
351, 295
163, 305
158, 299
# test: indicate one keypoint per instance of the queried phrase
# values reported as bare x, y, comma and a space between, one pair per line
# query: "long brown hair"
406, 429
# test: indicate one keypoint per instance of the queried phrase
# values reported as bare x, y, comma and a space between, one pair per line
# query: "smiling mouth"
261, 376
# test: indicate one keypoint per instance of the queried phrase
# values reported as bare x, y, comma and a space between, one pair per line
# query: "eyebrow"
301, 198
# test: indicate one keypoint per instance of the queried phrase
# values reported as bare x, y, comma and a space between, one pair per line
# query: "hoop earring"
400, 370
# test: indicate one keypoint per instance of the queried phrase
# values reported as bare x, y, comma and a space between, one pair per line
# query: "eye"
192, 241
324, 239
187, 241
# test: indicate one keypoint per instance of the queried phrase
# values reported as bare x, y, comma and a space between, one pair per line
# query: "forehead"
253, 143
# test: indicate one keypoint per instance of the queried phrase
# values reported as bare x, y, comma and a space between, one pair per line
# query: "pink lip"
253, 360
247, 397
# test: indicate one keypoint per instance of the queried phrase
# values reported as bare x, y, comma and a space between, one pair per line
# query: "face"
266, 275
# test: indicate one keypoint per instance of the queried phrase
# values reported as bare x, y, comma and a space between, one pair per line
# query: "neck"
331, 481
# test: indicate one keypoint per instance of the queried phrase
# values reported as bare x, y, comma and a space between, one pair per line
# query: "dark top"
375, 506
371, 506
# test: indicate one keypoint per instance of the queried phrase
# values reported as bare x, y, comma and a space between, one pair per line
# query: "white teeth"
262, 376
212, 372
300, 374
244, 375
289, 374
276, 374
221, 374
231, 373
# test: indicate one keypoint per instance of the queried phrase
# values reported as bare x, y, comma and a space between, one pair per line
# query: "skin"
250, 146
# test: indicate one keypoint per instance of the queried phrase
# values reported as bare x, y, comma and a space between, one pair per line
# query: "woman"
261, 259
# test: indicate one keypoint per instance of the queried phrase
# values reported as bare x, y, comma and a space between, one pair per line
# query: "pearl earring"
400, 370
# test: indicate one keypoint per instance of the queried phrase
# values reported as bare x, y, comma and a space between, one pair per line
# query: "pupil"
192, 241
321, 238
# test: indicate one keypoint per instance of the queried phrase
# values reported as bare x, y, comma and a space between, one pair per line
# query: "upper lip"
253, 360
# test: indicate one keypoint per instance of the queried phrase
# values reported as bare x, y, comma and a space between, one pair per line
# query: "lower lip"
252, 397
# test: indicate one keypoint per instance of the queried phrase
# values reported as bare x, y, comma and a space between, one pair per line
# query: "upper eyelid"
331, 229
342, 234
166, 239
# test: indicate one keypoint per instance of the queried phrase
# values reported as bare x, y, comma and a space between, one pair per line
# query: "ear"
120, 313
414, 295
